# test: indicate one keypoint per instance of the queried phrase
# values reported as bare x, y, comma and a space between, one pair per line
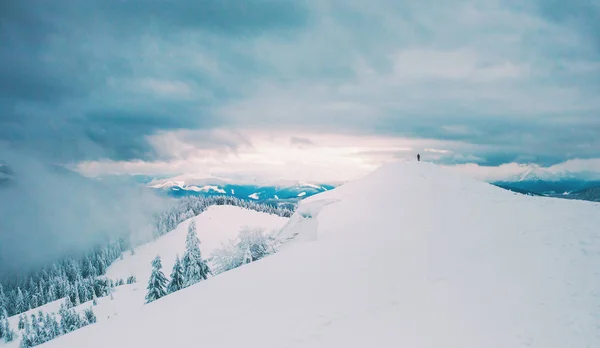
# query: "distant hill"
564, 188
549, 187
590, 194
518, 190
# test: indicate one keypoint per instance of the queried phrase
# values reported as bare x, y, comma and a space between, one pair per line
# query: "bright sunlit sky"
306, 89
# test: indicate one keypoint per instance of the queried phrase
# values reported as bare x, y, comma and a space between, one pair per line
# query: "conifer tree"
76, 294
89, 270
157, 282
247, 256
3, 304
177, 279
195, 268
20, 306
51, 295
90, 316
52, 326
69, 319
8, 332
27, 339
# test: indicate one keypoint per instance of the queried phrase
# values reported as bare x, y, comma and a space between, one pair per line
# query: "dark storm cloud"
581, 15
65, 69
83, 80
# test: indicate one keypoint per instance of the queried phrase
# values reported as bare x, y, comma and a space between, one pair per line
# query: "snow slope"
409, 256
214, 226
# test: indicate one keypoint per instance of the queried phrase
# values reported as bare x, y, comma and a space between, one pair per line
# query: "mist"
48, 211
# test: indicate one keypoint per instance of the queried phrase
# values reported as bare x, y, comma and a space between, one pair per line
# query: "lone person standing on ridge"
418, 157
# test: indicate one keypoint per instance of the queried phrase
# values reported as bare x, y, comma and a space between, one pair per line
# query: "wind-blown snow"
409, 256
301, 194
253, 196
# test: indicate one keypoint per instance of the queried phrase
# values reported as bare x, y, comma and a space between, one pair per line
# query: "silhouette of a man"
419, 157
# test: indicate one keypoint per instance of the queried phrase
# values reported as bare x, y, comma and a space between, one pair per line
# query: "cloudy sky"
303, 89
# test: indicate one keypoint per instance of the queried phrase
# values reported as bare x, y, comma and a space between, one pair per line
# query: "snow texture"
409, 256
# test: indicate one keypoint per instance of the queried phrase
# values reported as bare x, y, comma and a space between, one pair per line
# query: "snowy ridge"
441, 266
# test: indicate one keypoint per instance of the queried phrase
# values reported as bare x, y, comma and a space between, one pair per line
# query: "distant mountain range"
284, 192
567, 188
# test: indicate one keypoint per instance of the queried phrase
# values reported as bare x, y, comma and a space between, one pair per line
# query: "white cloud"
580, 168
269, 155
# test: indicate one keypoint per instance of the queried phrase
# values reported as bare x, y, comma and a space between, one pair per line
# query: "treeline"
191, 206
78, 277
42, 328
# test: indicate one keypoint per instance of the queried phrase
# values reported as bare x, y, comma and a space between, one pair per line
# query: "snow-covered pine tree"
51, 295
101, 263
22, 320
9, 334
195, 268
53, 326
89, 270
3, 304
27, 336
177, 279
34, 300
157, 282
20, 305
69, 319
77, 300
89, 315
39, 334
2, 328
247, 256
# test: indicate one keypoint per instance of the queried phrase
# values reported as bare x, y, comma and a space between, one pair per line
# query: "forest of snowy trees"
192, 270
190, 206
79, 278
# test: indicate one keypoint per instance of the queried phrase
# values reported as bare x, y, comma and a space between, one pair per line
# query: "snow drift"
409, 256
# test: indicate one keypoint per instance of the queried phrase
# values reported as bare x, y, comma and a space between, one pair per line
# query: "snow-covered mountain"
534, 172
409, 256
288, 190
